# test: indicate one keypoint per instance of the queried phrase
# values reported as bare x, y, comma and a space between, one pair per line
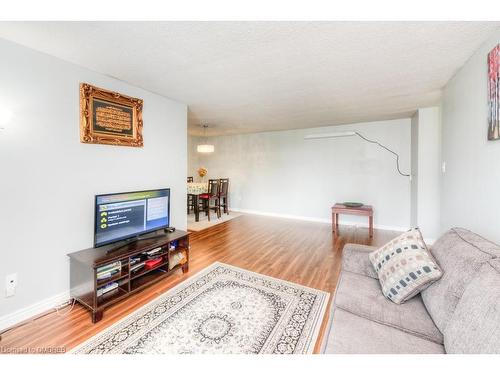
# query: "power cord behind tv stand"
56, 309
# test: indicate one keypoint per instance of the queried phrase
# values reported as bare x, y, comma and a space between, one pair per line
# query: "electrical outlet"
443, 167
10, 285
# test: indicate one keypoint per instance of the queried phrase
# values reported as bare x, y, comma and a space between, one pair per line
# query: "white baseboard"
26, 313
284, 216
320, 220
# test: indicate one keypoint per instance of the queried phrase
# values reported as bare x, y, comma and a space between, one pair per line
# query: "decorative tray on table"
352, 204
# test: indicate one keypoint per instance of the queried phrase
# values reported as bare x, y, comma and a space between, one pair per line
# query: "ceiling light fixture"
351, 134
205, 148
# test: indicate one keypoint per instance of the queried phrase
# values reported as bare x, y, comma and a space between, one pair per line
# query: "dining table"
195, 189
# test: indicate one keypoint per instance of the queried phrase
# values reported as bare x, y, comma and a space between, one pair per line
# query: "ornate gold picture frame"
107, 117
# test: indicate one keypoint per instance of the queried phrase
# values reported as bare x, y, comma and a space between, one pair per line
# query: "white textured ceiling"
259, 76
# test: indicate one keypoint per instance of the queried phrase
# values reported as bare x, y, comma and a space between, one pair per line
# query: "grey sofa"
460, 313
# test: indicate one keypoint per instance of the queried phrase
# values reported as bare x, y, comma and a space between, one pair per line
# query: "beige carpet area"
194, 226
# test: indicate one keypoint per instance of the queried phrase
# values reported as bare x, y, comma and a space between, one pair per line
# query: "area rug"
203, 223
222, 309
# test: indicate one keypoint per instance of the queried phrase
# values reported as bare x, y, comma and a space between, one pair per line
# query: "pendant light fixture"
205, 148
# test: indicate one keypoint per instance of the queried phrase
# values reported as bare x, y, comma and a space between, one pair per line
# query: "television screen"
126, 215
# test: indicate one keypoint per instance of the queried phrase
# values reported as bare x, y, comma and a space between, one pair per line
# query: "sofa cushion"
405, 267
460, 254
355, 259
475, 325
352, 334
361, 295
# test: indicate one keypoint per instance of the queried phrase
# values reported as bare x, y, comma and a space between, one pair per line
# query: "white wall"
193, 158
281, 173
426, 178
471, 184
414, 171
49, 179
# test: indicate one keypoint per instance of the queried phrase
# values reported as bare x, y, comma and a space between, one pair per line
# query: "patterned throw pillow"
405, 266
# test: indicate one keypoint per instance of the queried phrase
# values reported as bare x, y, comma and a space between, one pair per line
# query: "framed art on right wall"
494, 94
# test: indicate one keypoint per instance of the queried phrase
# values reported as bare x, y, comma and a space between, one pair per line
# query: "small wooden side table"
339, 208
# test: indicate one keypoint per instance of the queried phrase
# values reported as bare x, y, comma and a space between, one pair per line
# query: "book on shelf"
137, 266
109, 267
107, 275
108, 271
107, 288
135, 260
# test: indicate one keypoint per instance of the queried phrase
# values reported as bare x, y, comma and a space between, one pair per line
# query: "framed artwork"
494, 94
107, 117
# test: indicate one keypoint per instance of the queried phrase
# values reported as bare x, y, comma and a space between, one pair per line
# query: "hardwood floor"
301, 252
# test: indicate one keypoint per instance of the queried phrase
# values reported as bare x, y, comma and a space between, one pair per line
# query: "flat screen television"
123, 216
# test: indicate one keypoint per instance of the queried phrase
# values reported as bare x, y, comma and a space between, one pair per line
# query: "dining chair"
190, 203
190, 198
212, 195
224, 195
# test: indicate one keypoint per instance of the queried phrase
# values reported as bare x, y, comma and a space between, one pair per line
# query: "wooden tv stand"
84, 264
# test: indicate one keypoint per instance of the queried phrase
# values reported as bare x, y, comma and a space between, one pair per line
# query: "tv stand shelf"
85, 264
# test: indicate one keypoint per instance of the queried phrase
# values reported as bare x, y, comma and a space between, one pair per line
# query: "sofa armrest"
355, 259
